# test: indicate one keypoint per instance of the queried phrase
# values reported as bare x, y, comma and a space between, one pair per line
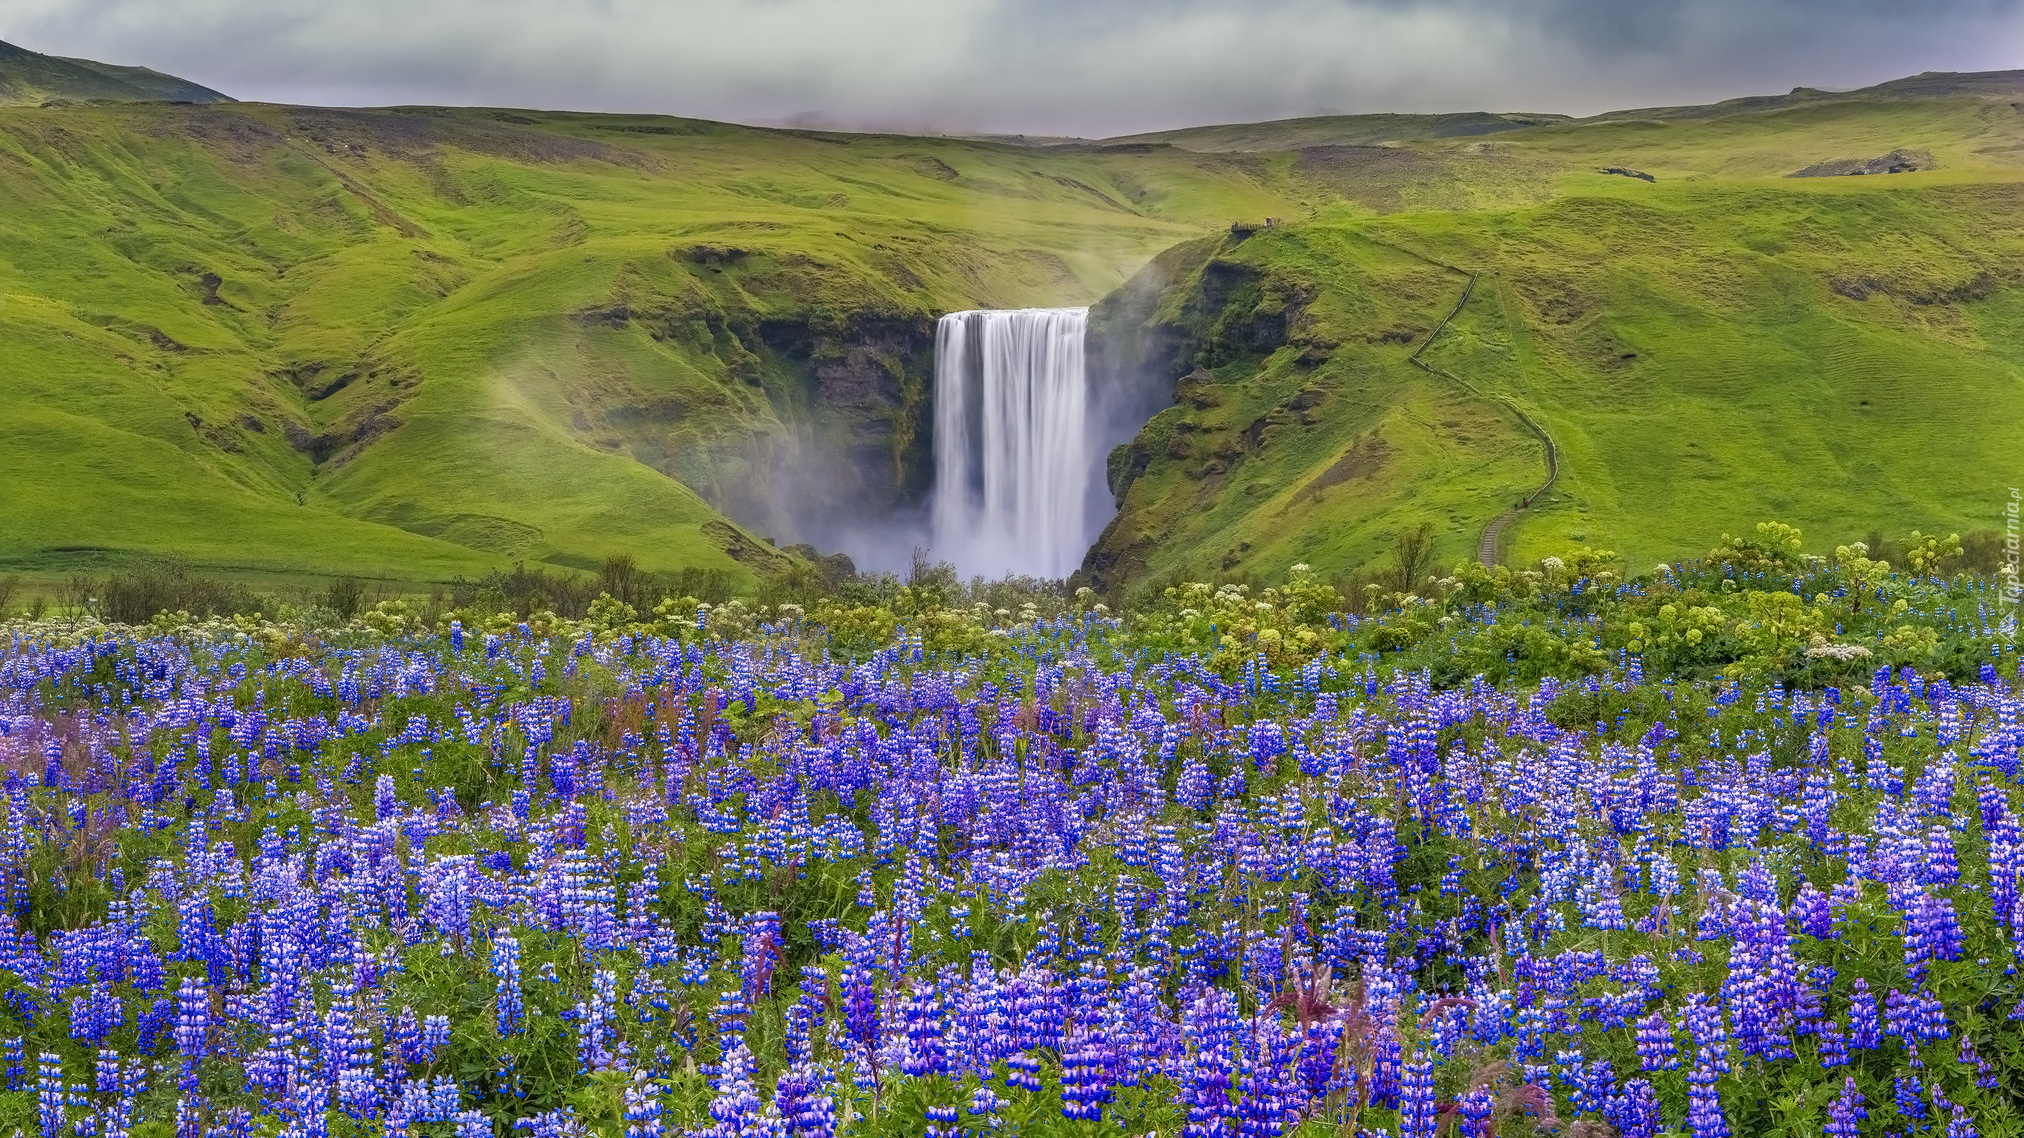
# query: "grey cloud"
1088, 67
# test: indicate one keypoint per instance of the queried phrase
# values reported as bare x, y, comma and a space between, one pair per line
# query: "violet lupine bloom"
942, 1119
1705, 1118
193, 1023
1655, 1048
50, 1096
860, 1007
921, 1013
598, 1046
1385, 1069
435, 1036
1833, 1045
1711, 1038
736, 1108
506, 968
1846, 1114
1086, 1075
1476, 1108
1416, 1099
1933, 932
642, 1108
1318, 1051
799, 1097
1634, 1111
1910, 1096
761, 955
1023, 1073
1864, 1034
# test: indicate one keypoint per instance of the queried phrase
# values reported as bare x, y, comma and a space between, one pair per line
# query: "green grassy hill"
416, 343
1721, 345
30, 78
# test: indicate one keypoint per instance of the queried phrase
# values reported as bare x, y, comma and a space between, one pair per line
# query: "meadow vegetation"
1729, 846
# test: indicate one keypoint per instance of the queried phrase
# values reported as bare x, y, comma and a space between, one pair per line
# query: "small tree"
344, 597
621, 579
1412, 557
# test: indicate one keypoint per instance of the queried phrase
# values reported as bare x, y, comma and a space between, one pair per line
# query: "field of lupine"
1729, 848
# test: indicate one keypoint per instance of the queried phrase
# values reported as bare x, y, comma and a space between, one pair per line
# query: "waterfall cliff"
1018, 465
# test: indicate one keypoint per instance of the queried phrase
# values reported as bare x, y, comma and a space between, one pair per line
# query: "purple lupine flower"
1634, 1110
1196, 788
921, 1014
1655, 1048
1416, 1099
860, 1006
1941, 868
506, 968
1846, 1114
193, 1024
801, 1100
642, 1108
1476, 1109
1910, 1096
1864, 1033
598, 1047
50, 1096
435, 1036
942, 1119
1268, 1106
761, 955
1985, 1074
1086, 1075
1705, 1118
1833, 1045
1711, 1038
735, 1109
1023, 1072
1385, 1069
1211, 1024
1933, 932
1959, 1125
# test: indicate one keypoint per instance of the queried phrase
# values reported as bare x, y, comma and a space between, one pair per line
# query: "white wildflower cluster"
1822, 649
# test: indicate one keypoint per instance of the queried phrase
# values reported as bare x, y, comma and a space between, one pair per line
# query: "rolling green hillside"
29, 78
424, 342
416, 343
1717, 346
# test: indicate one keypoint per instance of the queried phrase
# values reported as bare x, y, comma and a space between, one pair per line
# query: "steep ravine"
817, 428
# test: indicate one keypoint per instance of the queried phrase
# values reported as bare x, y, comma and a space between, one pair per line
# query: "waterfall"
1018, 466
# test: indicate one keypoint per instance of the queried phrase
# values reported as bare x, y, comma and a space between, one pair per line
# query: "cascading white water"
1016, 459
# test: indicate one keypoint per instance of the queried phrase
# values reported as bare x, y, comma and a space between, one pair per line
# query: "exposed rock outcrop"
1896, 162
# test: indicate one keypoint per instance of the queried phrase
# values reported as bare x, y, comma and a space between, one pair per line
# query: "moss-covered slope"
1845, 355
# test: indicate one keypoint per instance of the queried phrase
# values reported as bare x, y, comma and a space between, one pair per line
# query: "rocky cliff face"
1191, 322
854, 449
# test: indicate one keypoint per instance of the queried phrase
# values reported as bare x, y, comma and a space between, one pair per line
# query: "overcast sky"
1086, 67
